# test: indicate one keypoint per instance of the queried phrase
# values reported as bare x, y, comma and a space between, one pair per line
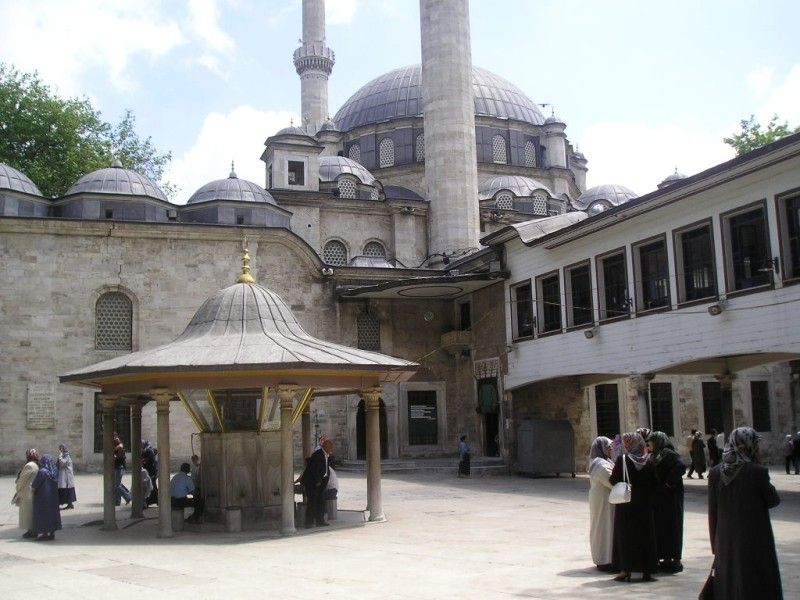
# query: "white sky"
644, 87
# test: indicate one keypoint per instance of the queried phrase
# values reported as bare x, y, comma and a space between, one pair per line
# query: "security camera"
327, 271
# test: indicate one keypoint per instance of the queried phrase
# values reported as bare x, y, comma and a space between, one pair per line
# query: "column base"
288, 531
109, 527
162, 534
381, 518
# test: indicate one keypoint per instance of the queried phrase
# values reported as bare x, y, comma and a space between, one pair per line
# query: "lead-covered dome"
604, 196
117, 180
518, 185
232, 188
398, 94
16, 181
330, 167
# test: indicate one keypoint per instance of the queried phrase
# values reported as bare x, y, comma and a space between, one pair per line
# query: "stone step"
479, 467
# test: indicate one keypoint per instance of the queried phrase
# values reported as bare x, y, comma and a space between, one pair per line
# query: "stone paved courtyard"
491, 537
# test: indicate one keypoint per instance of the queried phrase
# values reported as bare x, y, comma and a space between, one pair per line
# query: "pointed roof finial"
291, 121
117, 164
233, 172
245, 277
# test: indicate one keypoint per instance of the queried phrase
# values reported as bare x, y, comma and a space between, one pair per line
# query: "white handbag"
621, 492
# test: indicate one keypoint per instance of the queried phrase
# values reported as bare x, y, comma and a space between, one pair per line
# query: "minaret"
314, 63
451, 169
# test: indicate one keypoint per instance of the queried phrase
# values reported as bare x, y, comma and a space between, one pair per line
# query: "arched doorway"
361, 432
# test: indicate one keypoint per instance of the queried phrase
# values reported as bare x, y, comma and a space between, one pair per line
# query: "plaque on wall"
41, 412
423, 418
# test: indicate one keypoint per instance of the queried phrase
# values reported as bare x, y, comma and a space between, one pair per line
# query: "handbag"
621, 492
707, 593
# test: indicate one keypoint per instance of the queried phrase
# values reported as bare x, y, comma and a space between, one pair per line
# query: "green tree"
56, 140
752, 136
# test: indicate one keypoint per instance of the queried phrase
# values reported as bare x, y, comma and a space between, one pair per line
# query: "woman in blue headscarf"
46, 517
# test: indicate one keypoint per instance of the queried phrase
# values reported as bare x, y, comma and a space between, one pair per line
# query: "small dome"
232, 188
522, 187
11, 179
613, 195
292, 130
330, 167
328, 125
672, 178
552, 119
116, 180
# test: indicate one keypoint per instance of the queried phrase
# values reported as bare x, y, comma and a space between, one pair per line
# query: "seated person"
332, 489
181, 488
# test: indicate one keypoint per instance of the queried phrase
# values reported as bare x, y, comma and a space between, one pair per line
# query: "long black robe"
634, 526
746, 564
669, 507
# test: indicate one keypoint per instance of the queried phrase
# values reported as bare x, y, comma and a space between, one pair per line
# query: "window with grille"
613, 284
354, 153
335, 253
374, 194
578, 280
759, 395
347, 188
499, 154
375, 249
386, 153
113, 322
369, 332
549, 304
522, 310
748, 261
420, 150
789, 215
504, 201
661, 407
652, 275
530, 154
606, 400
539, 204
712, 405
694, 258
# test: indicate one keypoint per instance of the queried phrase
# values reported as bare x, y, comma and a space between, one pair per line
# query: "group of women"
43, 485
645, 535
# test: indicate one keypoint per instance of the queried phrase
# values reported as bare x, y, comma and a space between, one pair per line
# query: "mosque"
440, 217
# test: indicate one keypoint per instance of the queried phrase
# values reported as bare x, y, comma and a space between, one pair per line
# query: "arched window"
420, 150
386, 153
347, 188
369, 332
335, 253
539, 204
499, 150
504, 201
530, 154
355, 152
113, 316
375, 249
374, 194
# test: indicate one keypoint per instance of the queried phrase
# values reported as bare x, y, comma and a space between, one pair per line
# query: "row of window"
747, 260
335, 252
607, 418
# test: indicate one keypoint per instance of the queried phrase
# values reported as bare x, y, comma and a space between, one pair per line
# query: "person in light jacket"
23, 497
66, 478
601, 512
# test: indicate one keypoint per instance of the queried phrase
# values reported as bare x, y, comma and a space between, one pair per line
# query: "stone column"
372, 403
162, 398
136, 459
109, 516
285, 396
726, 389
641, 383
305, 424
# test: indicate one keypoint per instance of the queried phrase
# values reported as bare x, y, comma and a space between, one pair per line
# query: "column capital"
108, 401
641, 381
371, 396
162, 396
726, 380
285, 393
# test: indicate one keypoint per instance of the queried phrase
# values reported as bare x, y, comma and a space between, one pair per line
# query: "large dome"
232, 188
116, 180
398, 94
11, 179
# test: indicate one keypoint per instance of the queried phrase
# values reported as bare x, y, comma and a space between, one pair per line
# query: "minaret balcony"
457, 343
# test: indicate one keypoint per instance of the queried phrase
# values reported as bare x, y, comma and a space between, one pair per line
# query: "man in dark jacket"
315, 480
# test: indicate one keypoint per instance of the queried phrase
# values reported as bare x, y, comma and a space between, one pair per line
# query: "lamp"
714, 310
589, 333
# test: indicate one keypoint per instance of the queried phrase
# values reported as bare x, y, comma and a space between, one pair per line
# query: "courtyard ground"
482, 538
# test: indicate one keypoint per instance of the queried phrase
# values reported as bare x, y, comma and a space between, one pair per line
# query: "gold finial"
245, 277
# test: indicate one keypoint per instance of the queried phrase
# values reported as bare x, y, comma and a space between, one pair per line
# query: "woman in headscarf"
150, 464
23, 497
66, 478
739, 498
634, 529
601, 512
46, 518
698, 454
668, 504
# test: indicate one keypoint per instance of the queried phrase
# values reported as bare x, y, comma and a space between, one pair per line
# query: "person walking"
796, 454
690, 446
739, 498
634, 527
46, 516
464, 468
66, 479
601, 511
698, 455
315, 480
150, 464
788, 452
120, 489
668, 501
23, 496
713, 448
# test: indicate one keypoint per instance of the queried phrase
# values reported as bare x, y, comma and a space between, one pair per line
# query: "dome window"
386, 153
375, 249
374, 194
335, 253
530, 154
499, 154
355, 152
113, 322
420, 147
347, 188
504, 201
539, 204
369, 332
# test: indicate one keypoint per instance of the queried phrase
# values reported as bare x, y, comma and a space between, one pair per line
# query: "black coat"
698, 455
315, 474
746, 564
634, 526
669, 507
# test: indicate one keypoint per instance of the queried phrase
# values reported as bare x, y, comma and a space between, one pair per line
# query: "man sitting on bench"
182, 489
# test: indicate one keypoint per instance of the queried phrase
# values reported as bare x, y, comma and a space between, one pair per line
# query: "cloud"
640, 156
782, 99
239, 136
760, 79
205, 28
340, 12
